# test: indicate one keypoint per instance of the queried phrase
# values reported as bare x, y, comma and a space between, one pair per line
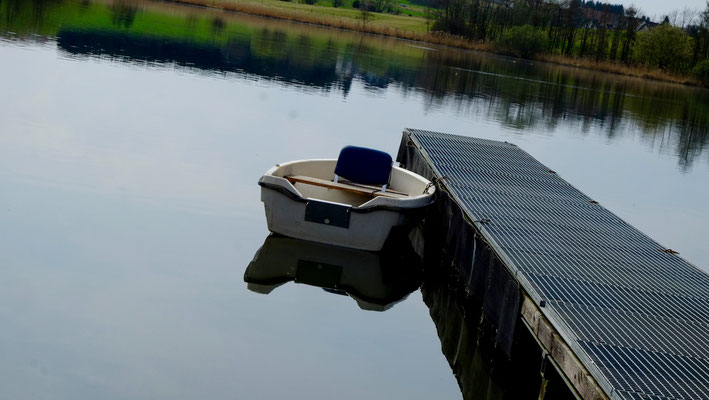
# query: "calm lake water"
132, 135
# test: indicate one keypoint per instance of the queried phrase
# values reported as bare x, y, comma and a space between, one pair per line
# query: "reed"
620, 69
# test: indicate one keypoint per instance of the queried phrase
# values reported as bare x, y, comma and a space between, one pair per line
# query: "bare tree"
429, 17
631, 25
682, 18
702, 39
364, 14
688, 16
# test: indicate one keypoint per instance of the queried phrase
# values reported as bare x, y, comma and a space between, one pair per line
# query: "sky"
657, 9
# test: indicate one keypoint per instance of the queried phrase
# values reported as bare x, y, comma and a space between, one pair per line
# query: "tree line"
594, 30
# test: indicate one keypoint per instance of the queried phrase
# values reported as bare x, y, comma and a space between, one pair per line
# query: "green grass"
212, 28
324, 9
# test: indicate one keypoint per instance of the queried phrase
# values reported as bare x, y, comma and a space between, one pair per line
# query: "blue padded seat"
363, 165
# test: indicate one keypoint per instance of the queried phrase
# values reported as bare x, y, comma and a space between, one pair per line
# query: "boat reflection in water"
376, 281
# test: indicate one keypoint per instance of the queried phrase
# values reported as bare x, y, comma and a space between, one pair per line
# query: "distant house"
646, 26
590, 18
589, 24
594, 19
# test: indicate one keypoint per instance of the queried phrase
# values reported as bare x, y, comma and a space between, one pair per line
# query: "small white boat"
355, 201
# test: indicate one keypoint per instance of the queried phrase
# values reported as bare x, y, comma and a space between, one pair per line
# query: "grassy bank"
399, 26
410, 27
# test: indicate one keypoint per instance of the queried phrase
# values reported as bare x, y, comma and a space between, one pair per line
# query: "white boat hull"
366, 231
325, 216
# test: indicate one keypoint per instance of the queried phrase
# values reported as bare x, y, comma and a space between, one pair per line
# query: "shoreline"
312, 14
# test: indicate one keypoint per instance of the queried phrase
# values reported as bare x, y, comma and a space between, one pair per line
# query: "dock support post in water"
558, 355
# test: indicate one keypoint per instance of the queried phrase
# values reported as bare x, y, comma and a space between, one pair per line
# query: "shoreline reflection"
520, 96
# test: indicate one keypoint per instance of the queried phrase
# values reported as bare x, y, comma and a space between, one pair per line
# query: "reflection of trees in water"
237, 56
33, 11
693, 135
218, 26
126, 47
39, 8
9, 10
123, 13
519, 95
527, 97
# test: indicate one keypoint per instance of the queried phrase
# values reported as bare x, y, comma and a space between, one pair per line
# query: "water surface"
132, 135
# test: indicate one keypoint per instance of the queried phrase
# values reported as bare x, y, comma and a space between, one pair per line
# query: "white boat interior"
314, 179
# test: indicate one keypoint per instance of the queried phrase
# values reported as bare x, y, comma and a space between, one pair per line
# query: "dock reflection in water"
376, 281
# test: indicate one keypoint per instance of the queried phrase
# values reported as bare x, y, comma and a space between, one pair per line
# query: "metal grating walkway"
637, 317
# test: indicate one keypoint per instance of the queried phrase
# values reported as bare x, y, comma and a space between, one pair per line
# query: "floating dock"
621, 316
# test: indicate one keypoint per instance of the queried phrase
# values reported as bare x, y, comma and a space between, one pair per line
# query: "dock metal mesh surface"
636, 316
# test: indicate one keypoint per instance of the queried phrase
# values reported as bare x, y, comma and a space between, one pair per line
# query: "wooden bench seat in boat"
365, 190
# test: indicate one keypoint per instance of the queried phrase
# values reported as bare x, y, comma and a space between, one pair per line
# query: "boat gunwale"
400, 204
